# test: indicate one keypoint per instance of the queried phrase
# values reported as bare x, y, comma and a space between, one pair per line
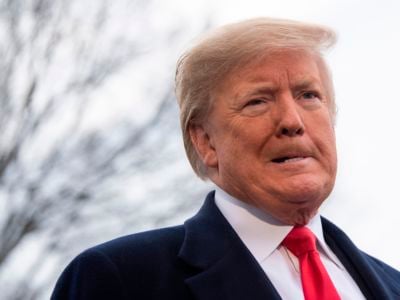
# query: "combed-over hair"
205, 65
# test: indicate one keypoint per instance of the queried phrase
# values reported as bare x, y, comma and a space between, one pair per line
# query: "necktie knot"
300, 240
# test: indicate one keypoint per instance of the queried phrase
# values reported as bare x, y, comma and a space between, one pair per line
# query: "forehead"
276, 72
274, 69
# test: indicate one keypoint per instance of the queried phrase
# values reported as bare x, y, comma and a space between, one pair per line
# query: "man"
257, 115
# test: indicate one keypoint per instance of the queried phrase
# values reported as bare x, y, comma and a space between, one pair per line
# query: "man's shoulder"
360, 264
391, 275
152, 243
125, 266
338, 239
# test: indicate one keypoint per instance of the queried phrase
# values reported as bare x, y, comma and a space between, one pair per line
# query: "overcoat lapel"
226, 269
356, 263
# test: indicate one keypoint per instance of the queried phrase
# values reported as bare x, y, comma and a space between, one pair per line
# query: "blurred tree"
71, 175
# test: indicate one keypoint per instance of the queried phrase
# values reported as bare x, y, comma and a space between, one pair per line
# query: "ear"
204, 146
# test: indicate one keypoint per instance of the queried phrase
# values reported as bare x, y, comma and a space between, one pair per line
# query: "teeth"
293, 159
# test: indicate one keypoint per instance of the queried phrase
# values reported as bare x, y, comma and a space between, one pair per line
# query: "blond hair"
216, 55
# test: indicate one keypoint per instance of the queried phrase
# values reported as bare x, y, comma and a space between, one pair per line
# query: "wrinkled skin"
269, 139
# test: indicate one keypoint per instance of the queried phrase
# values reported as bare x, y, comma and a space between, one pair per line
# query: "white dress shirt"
262, 234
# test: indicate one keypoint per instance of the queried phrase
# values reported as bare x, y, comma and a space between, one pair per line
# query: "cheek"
254, 133
238, 150
327, 148
322, 134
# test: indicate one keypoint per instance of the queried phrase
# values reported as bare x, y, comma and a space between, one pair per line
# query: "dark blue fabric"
202, 259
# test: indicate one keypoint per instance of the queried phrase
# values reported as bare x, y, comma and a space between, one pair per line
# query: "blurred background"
90, 145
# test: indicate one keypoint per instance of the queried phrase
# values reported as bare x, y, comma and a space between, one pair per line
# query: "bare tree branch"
62, 184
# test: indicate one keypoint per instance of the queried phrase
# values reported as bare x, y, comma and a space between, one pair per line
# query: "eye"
254, 102
255, 107
310, 95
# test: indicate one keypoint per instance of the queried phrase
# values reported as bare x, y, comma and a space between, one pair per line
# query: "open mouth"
287, 159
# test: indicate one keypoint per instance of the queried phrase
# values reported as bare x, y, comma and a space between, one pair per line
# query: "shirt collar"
260, 232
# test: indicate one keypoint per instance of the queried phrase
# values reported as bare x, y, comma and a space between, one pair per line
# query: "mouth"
287, 159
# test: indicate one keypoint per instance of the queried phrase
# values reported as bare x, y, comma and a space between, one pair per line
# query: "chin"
301, 203
307, 190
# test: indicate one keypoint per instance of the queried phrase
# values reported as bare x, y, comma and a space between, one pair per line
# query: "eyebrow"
269, 87
305, 83
265, 88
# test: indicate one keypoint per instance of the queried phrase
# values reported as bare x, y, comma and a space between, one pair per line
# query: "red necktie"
314, 278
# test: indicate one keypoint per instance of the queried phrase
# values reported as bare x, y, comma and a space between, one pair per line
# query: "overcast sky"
365, 65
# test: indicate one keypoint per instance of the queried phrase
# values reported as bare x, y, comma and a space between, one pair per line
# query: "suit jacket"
202, 259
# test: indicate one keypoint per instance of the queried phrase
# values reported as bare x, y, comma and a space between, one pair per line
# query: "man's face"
269, 139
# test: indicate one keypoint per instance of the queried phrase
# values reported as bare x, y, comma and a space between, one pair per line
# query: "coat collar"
357, 263
227, 270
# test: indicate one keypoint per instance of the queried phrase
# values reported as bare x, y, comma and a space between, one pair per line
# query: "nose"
289, 119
